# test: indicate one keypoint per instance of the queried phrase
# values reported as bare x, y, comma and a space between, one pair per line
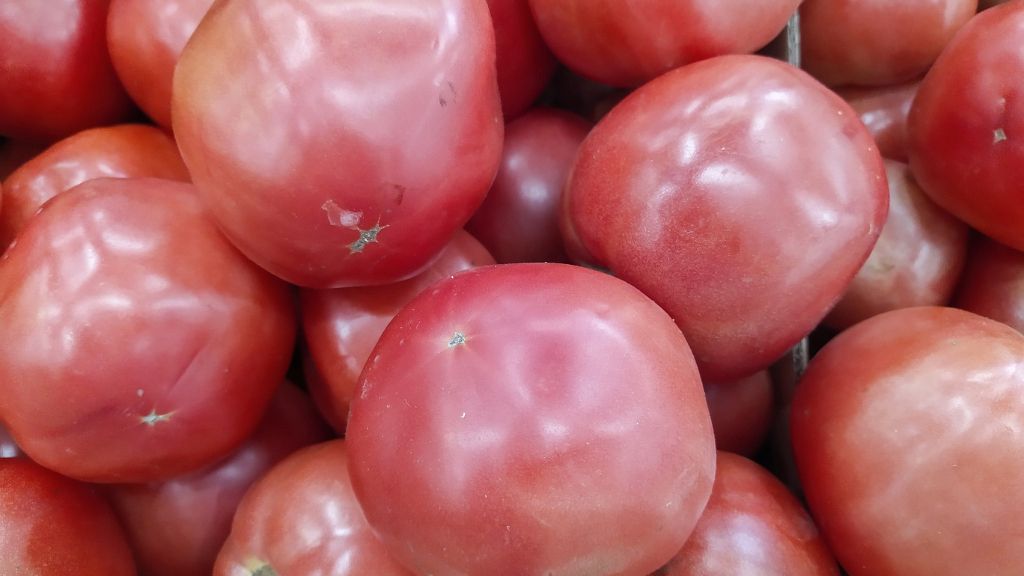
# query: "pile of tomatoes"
508, 287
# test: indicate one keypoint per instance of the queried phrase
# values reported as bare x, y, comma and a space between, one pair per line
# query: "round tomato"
741, 412
884, 111
991, 283
524, 62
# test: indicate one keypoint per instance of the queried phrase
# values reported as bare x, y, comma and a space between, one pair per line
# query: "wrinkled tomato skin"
123, 151
992, 284
55, 71
966, 126
518, 221
630, 43
505, 415
177, 527
905, 430
752, 526
877, 42
53, 526
362, 161
916, 262
741, 412
523, 60
138, 343
705, 189
145, 39
341, 326
303, 518
884, 111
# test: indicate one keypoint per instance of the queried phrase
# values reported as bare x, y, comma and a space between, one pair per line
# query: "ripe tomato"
906, 432
302, 518
741, 412
340, 143
966, 126
991, 283
707, 188
884, 111
505, 418
138, 343
524, 62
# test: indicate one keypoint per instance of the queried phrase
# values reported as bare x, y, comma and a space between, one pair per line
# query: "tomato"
966, 126
124, 151
877, 42
518, 222
524, 62
708, 188
55, 71
303, 518
341, 326
884, 111
916, 262
53, 526
752, 525
362, 134
505, 418
741, 412
138, 344
906, 436
145, 40
629, 43
991, 284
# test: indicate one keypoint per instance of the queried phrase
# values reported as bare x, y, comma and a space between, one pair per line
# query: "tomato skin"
523, 60
884, 111
53, 526
741, 412
991, 283
705, 187
55, 71
123, 151
341, 326
902, 428
303, 518
966, 126
916, 262
364, 162
138, 343
8, 448
630, 43
504, 418
518, 221
752, 526
145, 39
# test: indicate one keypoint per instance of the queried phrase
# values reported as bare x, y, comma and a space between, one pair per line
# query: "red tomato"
993, 283
752, 525
362, 134
518, 222
302, 518
877, 42
145, 40
505, 418
178, 526
341, 326
125, 151
53, 526
739, 194
741, 412
966, 127
629, 43
906, 432
523, 60
55, 71
138, 344
884, 111
916, 262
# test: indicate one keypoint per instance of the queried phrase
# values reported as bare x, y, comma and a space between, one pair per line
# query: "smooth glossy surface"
740, 195
884, 111
138, 344
629, 43
518, 222
877, 42
741, 412
752, 526
907, 435
302, 518
54, 526
8, 448
178, 527
916, 261
966, 126
523, 60
506, 416
124, 151
341, 143
55, 72
146, 38
341, 326
993, 283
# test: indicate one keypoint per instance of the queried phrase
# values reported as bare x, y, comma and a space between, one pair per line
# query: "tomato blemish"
152, 418
998, 135
457, 339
